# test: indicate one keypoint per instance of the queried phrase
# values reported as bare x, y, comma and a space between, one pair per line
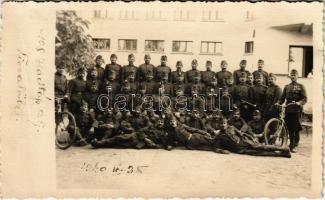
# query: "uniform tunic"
161, 71
257, 95
191, 74
61, 85
222, 77
264, 74
207, 77
178, 76
115, 67
237, 75
272, 96
143, 71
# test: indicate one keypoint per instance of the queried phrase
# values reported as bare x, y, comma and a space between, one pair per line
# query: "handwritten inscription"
22, 61
41, 87
117, 169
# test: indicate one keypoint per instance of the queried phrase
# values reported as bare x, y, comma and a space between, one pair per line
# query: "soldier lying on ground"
236, 141
192, 138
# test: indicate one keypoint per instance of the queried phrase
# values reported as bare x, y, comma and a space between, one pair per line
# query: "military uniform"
143, 71
60, 85
191, 74
272, 96
242, 93
178, 77
257, 95
100, 73
207, 77
294, 92
85, 121
76, 88
116, 68
262, 73
238, 142
129, 70
222, 77
237, 75
161, 71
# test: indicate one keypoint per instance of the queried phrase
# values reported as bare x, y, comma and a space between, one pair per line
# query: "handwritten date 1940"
117, 169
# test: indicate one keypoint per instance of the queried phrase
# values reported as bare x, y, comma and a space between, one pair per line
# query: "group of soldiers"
219, 111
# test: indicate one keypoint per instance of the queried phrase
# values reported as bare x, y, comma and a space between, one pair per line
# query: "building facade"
280, 35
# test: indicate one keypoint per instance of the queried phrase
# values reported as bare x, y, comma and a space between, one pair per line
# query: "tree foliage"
73, 46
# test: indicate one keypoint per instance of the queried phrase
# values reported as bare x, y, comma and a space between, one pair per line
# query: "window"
211, 47
127, 45
154, 45
101, 44
249, 47
211, 16
182, 16
154, 15
182, 46
127, 15
250, 16
101, 14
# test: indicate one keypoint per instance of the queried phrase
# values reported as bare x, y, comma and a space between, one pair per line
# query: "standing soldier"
76, 88
241, 96
260, 71
98, 67
130, 70
111, 86
113, 66
223, 75
178, 76
208, 75
238, 72
146, 68
195, 84
257, 92
294, 93
61, 83
272, 96
191, 74
162, 70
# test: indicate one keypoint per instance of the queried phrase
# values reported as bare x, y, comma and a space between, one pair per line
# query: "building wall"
234, 26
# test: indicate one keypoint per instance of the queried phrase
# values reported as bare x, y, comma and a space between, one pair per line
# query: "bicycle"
275, 130
65, 126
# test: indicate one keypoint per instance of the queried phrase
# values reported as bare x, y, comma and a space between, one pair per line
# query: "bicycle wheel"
276, 133
65, 130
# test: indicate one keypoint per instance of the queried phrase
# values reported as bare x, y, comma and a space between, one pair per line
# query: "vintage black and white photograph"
177, 99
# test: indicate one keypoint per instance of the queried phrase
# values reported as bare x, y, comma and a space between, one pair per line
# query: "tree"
73, 46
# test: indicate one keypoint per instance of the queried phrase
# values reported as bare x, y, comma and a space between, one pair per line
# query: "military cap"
243, 62
131, 55
164, 58
99, 57
113, 55
147, 56
272, 75
179, 63
223, 62
294, 72
260, 61
208, 63
194, 61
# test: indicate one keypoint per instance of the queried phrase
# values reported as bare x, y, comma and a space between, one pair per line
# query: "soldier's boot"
217, 150
150, 143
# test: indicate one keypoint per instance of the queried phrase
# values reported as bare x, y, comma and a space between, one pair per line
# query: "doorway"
301, 59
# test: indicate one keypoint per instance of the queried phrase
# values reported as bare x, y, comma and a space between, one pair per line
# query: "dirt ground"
180, 170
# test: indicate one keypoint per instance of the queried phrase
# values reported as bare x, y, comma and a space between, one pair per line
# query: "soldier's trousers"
125, 140
200, 142
294, 127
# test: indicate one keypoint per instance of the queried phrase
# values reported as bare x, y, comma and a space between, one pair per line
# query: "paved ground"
123, 169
